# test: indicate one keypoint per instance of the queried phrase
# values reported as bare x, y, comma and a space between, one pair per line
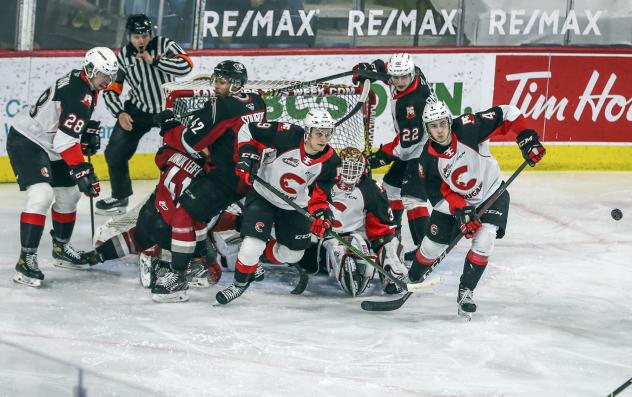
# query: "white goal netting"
290, 106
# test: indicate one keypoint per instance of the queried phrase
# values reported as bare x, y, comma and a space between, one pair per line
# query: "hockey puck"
616, 214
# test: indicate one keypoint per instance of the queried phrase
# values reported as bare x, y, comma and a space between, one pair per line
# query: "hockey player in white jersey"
45, 149
460, 176
363, 217
299, 163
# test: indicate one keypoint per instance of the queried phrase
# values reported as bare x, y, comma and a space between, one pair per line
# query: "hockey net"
290, 106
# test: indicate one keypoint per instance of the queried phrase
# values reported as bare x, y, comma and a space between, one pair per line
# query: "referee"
146, 63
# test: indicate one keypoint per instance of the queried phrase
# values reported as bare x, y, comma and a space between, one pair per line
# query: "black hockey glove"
86, 179
91, 138
166, 120
377, 66
323, 221
247, 167
532, 149
379, 159
465, 218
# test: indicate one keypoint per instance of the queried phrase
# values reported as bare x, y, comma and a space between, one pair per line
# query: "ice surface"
554, 317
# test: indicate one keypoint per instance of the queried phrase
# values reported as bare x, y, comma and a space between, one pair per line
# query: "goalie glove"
247, 167
532, 149
389, 257
466, 220
324, 220
90, 138
86, 179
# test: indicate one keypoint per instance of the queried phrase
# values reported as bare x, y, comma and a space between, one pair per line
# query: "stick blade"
385, 306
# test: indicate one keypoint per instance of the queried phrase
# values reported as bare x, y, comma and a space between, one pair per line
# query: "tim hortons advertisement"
570, 98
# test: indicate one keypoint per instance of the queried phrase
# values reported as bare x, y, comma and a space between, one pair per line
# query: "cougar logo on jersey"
259, 226
456, 179
434, 229
290, 182
44, 172
251, 106
410, 112
291, 161
474, 192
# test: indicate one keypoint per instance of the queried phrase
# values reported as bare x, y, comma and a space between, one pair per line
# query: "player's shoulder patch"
467, 119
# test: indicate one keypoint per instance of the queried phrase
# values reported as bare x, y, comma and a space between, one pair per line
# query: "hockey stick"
401, 284
364, 73
385, 306
366, 89
91, 206
621, 388
303, 279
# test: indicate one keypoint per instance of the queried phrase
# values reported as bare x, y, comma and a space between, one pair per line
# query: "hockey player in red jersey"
363, 217
163, 222
211, 134
45, 149
402, 182
460, 176
299, 163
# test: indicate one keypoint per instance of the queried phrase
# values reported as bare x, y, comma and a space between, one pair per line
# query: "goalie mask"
233, 72
352, 273
352, 169
435, 110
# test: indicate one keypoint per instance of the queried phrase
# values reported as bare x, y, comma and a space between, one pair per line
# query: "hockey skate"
466, 303
111, 206
231, 293
69, 258
27, 270
149, 269
170, 287
197, 273
260, 273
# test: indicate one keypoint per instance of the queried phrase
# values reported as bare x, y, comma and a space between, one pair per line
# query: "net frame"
184, 97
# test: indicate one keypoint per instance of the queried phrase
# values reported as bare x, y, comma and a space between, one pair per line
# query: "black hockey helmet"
138, 24
232, 71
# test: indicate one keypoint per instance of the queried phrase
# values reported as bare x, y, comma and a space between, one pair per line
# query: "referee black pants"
121, 148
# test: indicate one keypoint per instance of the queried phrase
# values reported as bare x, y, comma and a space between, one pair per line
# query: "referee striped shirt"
145, 80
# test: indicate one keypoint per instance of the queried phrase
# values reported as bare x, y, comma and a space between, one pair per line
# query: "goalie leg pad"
352, 274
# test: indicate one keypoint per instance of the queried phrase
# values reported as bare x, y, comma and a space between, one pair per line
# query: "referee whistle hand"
125, 121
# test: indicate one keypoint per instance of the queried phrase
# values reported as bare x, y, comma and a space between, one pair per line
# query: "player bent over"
404, 187
45, 149
361, 213
163, 222
461, 175
293, 161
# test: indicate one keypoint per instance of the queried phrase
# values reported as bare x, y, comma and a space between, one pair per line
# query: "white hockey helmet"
318, 118
435, 110
401, 65
352, 168
100, 59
